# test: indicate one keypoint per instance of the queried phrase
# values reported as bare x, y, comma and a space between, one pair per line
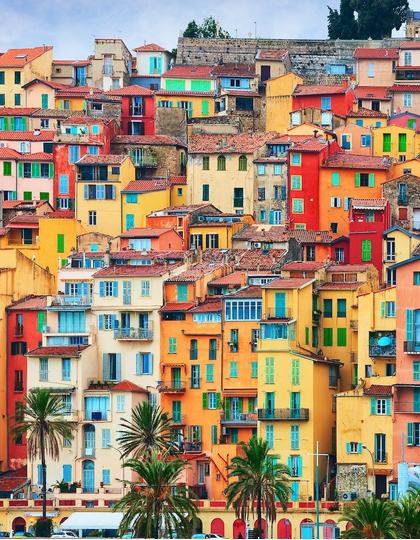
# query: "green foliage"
43, 528
370, 518
407, 515
375, 18
258, 480
148, 430
209, 28
152, 507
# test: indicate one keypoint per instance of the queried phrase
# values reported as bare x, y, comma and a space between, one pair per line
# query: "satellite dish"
384, 341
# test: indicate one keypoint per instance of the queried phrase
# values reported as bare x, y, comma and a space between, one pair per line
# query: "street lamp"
123, 469
373, 466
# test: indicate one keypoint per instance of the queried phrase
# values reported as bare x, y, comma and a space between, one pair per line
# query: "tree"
148, 430
45, 427
156, 504
370, 518
209, 28
407, 515
342, 24
258, 480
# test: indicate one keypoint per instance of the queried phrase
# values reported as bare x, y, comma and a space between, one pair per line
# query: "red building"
304, 164
368, 220
78, 135
405, 119
137, 110
25, 323
338, 99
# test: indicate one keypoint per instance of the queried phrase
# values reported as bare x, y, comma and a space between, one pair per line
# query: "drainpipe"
1, 207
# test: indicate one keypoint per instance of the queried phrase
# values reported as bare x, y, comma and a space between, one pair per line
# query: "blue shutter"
289, 463
118, 355
67, 473
294, 491
271, 217
85, 289
359, 448
409, 324
151, 65
159, 64
388, 407
299, 466
101, 288
113, 322
410, 438
115, 288
101, 322
105, 366
67, 288
348, 448
86, 191
39, 474
138, 364
372, 405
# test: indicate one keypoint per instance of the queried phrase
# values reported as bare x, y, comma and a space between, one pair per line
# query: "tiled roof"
143, 186
150, 47
21, 57
258, 259
318, 89
379, 54
37, 156
145, 232
82, 119
209, 306
195, 272
286, 138
349, 267
188, 72
177, 306
23, 218
133, 270
234, 70
288, 283
332, 286
129, 254
23, 205
410, 44
272, 159
11, 481
82, 92
368, 203
235, 278
243, 143
312, 237
27, 136
9, 153
178, 180
57, 351
263, 233
60, 214
30, 302
128, 386
311, 145
159, 140
54, 113
271, 54
163, 92
303, 266
132, 90
378, 390
108, 159
240, 93
372, 92
253, 291
405, 88
51, 84
354, 161
366, 113
17, 111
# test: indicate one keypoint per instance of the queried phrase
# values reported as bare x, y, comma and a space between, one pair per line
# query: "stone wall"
171, 121
309, 58
398, 208
351, 478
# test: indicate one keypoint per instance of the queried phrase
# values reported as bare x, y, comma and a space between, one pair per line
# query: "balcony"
283, 414
407, 74
134, 334
354, 324
172, 387
188, 447
67, 301
406, 407
179, 420
381, 457
378, 351
235, 419
277, 313
412, 347
382, 344
88, 452
19, 330
146, 161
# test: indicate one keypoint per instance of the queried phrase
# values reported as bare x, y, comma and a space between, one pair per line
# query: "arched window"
239, 528
221, 163
19, 524
243, 163
88, 476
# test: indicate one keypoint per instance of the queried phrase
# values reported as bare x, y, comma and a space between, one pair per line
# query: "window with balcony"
97, 407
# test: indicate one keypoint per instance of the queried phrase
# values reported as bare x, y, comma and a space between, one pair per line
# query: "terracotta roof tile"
240, 93
271, 54
258, 259
128, 386
27, 136
129, 254
79, 91
195, 272
303, 266
57, 351
410, 44
144, 186
368, 203
354, 161
150, 47
50, 84
17, 111
37, 156
145, 232
178, 180
60, 214
233, 70
30, 302
235, 278
163, 92
332, 286
385, 54
188, 72
350, 267
108, 159
23, 218
288, 283
134, 270
253, 291
132, 90
21, 57
372, 92
159, 140
366, 113
311, 237
243, 143
177, 306
71, 62
263, 233
82, 119
378, 390
211, 305
9, 153
405, 88
318, 89
310, 145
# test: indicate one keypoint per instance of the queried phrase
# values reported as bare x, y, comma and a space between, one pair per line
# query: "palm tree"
259, 480
370, 518
42, 421
407, 515
155, 504
146, 431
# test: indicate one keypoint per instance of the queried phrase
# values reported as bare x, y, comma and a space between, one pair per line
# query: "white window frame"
380, 406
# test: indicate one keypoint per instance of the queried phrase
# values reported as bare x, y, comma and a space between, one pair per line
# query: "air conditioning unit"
349, 496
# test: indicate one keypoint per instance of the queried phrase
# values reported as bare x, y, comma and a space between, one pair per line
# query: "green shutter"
335, 179
357, 179
366, 250
24, 124
205, 107
12, 123
20, 169
348, 448
416, 371
241, 405
372, 405
51, 170
227, 408
306, 335
409, 324
328, 337
416, 400
371, 179
40, 321
295, 371
60, 243
204, 400
383, 310
388, 406
402, 142
218, 400
386, 142
269, 370
341, 337
36, 170
410, 434
7, 168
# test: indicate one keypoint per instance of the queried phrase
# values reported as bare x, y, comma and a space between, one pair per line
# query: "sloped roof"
405, 88
131, 90
354, 161
378, 390
369, 203
128, 386
410, 44
144, 186
318, 89
185, 71
378, 54
145, 232
372, 92
30, 302
106, 159
150, 47
159, 140
362, 112
233, 70
288, 283
21, 57
133, 270
242, 143
17, 111
57, 351
44, 135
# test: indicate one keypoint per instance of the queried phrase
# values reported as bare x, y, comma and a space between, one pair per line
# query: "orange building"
343, 177
355, 139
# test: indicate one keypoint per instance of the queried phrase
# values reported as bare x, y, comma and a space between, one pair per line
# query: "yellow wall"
33, 95
404, 247
178, 199
413, 142
146, 203
75, 103
367, 122
397, 168
279, 101
223, 231
195, 100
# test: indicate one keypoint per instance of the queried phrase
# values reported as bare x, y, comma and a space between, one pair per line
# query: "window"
243, 163
354, 448
296, 182
341, 307
390, 249
297, 206
263, 216
332, 376
238, 197
269, 370
212, 241
261, 194
106, 476
234, 340
296, 159
43, 369
17, 100
120, 403
206, 163
326, 103
243, 310
1, 77
390, 309
92, 217
60, 243
254, 370
402, 193
182, 292
261, 169
335, 179
277, 169
269, 435
144, 363
327, 308
402, 142
172, 345
413, 434
18, 387
335, 202
346, 141
212, 400
365, 141
2, 99
233, 370
328, 337
206, 192
66, 369
106, 438
221, 163
408, 100
371, 70
339, 254
108, 288
341, 337
112, 366
212, 349
416, 371
407, 58
209, 373
74, 154
416, 278
295, 371
386, 142
310, 253
366, 250
294, 437
145, 287
391, 277
7, 168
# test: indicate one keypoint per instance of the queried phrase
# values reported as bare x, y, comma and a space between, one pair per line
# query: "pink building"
28, 142
407, 387
355, 139
405, 97
146, 239
409, 120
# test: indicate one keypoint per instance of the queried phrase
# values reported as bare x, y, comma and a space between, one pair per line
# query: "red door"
284, 529
239, 528
218, 527
264, 527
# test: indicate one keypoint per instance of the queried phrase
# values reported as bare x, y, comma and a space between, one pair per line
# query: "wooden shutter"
204, 397
371, 179
409, 324
357, 179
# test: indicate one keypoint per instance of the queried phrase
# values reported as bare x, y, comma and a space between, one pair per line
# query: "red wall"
402, 120
17, 453
148, 118
340, 103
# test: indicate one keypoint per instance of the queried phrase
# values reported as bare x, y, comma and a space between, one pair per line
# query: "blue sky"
71, 25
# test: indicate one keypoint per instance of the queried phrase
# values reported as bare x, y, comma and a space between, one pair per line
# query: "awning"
93, 520
240, 392
61, 389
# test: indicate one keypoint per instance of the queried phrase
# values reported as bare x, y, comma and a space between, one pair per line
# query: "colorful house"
41, 93
355, 139
152, 60
376, 98
405, 97
398, 245
140, 197
376, 67
147, 239
331, 99
403, 194
396, 142
137, 110
272, 63
407, 70
342, 176
216, 231
367, 117
18, 67
410, 120
15, 119
279, 102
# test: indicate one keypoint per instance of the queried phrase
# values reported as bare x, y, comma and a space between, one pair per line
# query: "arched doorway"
264, 527
19, 524
197, 526
284, 529
329, 527
306, 531
89, 440
239, 529
88, 476
218, 527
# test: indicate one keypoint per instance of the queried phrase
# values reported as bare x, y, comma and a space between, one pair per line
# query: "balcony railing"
408, 407
134, 334
238, 418
412, 347
277, 313
187, 446
179, 419
387, 351
19, 330
69, 300
145, 161
96, 416
172, 387
283, 414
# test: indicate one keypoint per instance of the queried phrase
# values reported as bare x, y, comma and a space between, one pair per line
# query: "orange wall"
355, 132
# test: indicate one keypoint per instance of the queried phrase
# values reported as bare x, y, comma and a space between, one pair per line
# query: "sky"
71, 25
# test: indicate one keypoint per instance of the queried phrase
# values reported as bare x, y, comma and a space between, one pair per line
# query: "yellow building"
295, 385
141, 197
396, 142
398, 168
364, 441
179, 191
367, 118
20, 66
99, 184
398, 245
279, 101
216, 231
197, 105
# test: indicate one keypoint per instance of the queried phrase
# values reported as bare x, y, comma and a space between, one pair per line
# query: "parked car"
20, 534
64, 534
209, 535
